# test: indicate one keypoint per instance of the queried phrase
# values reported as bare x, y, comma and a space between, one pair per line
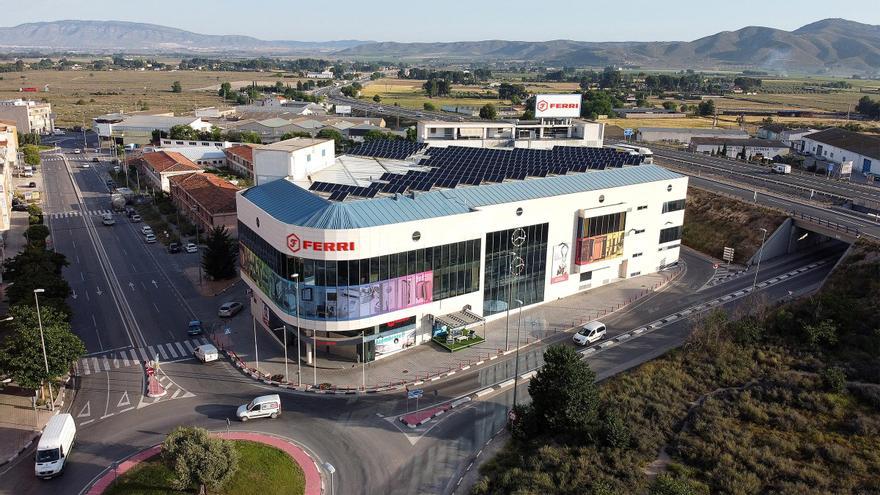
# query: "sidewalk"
429, 361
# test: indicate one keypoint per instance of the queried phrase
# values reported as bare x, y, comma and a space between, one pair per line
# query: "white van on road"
589, 333
261, 407
55, 446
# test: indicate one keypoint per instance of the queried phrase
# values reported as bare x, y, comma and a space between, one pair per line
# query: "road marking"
162, 352
86, 411
124, 401
124, 359
180, 348
152, 352
95, 365
85, 365
134, 356
189, 346
171, 351
144, 356
106, 363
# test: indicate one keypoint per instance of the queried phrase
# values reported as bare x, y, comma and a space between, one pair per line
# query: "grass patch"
262, 470
459, 345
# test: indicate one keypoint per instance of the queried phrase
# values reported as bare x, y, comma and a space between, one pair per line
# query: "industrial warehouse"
397, 244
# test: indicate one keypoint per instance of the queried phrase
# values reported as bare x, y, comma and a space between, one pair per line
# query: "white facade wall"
503, 134
733, 150
861, 163
642, 252
273, 164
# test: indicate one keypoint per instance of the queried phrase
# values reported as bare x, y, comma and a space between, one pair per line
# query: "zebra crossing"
73, 214
173, 351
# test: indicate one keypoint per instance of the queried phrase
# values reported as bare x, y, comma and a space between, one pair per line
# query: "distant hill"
134, 37
830, 45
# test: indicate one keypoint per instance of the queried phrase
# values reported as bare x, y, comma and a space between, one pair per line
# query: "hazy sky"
397, 20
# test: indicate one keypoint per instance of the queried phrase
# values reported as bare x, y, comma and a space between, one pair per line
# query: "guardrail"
825, 223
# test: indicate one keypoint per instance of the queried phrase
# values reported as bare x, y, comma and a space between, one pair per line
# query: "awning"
459, 320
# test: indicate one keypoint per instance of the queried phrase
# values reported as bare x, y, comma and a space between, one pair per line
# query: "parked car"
589, 333
55, 446
191, 247
27, 173
95, 159
77, 151
195, 328
206, 353
229, 309
107, 219
174, 247
20, 207
32, 184
147, 230
150, 238
261, 407
83, 165
136, 218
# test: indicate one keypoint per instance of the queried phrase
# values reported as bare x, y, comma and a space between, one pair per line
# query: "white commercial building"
535, 134
684, 135
138, 129
370, 256
840, 146
296, 158
736, 148
29, 116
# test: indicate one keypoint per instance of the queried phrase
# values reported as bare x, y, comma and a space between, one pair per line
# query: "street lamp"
43, 343
254, 319
196, 222
330, 469
516, 364
760, 254
295, 278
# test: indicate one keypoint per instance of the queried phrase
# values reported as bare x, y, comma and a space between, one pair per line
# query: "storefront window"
502, 247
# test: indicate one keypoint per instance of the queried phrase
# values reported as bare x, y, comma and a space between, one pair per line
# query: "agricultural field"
408, 93
701, 122
77, 96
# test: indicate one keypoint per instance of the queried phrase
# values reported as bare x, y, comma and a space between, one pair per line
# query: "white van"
206, 353
589, 333
55, 446
781, 168
261, 407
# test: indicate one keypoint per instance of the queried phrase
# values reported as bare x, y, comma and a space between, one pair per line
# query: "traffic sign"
715, 266
627, 132
415, 394
728, 254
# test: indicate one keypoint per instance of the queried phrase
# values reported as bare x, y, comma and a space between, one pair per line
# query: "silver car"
229, 309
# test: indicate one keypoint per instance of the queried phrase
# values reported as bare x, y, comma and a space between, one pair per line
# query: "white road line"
95, 365
144, 355
171, 350
152, 352
124, 359
115, 362
189, 346
106, 363
134, 356
85, 366
162, 352
203, 341
180, 348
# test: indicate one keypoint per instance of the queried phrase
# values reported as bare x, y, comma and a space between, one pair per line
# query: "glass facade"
676, 205
530, 245
600, 238
353, 289
670, 234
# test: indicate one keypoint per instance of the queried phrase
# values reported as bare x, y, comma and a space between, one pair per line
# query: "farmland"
408, 93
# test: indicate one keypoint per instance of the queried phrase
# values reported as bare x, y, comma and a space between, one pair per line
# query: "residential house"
158, 166
28, 116
840, 145
206, 199
240, 158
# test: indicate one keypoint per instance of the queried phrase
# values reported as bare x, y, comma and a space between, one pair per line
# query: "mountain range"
830, 45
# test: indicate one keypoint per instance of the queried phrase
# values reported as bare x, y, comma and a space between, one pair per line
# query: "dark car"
19, 207
32, 184
195, 328
95, 160
174, 247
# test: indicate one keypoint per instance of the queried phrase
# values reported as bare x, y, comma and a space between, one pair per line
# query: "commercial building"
158, 166
297, 157
138, 129
320, 75
29, 116
735, 148
8, 162
648, 113
683, 135
206, 199
370, 256
515, 133
841, 146
793, 138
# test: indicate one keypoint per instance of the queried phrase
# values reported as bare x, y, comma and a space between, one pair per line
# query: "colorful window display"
600, 238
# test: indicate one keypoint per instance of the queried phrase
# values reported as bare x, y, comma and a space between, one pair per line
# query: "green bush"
834, 379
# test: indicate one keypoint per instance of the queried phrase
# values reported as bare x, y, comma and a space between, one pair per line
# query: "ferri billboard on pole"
558, 105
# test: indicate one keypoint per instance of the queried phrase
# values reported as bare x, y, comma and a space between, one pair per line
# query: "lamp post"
43, 343
254, 319
196, 222
330, 469
516, 359
760, 254
295, 277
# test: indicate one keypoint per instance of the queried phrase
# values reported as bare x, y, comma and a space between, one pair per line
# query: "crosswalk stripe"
106, 363
203, 341
152, 352
124, 359
162, 352
115, 362
96, 366
171, 351
85, 365
143, 353
189, 346
180, 348
134, 356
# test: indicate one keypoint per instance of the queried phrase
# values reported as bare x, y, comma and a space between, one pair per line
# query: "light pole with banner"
516, 358
760, 254
43, 343
517, 239
295, 278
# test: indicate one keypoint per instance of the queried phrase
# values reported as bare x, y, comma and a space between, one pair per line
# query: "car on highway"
107, 219
149, 238
261, 407
191, 247
195, 328
206, 353
229, 309
174, 247
136, 218
77, 151
147, 230
589, 333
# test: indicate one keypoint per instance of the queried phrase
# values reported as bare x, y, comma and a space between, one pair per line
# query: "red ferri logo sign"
542, 105
293, 243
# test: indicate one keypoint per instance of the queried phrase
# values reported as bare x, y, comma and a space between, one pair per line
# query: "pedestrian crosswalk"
72, 214
121, 358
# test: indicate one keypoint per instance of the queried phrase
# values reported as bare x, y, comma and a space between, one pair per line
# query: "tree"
176, 87
430, 107
250, 137
377, 98
36, 235
36, 268
412, 134
197, 459
488, 112
21, 355
225, 89
564, 395
220, 253
667, 485
706, 108
336, 136
31, 154
295, 134
670, 105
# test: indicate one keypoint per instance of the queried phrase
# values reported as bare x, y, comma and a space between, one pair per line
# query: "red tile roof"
243, 151
213, 193
168, 161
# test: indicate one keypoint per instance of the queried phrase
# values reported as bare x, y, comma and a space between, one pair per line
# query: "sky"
397, 20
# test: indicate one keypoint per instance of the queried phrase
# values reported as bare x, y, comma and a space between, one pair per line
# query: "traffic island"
267, 464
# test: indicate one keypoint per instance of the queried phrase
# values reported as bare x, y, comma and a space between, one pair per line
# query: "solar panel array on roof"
387, 148
457, 165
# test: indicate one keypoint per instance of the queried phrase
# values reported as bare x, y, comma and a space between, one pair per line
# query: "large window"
600, 238
676, 205
670, 234
505, 248
360, 288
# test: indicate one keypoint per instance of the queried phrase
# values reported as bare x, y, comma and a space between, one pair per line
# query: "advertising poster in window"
395, 342
560, 263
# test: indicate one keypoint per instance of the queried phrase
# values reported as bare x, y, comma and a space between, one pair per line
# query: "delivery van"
261, 407
781, 168
55, 446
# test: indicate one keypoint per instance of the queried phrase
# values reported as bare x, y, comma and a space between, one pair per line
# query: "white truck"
55, 445
780, 168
